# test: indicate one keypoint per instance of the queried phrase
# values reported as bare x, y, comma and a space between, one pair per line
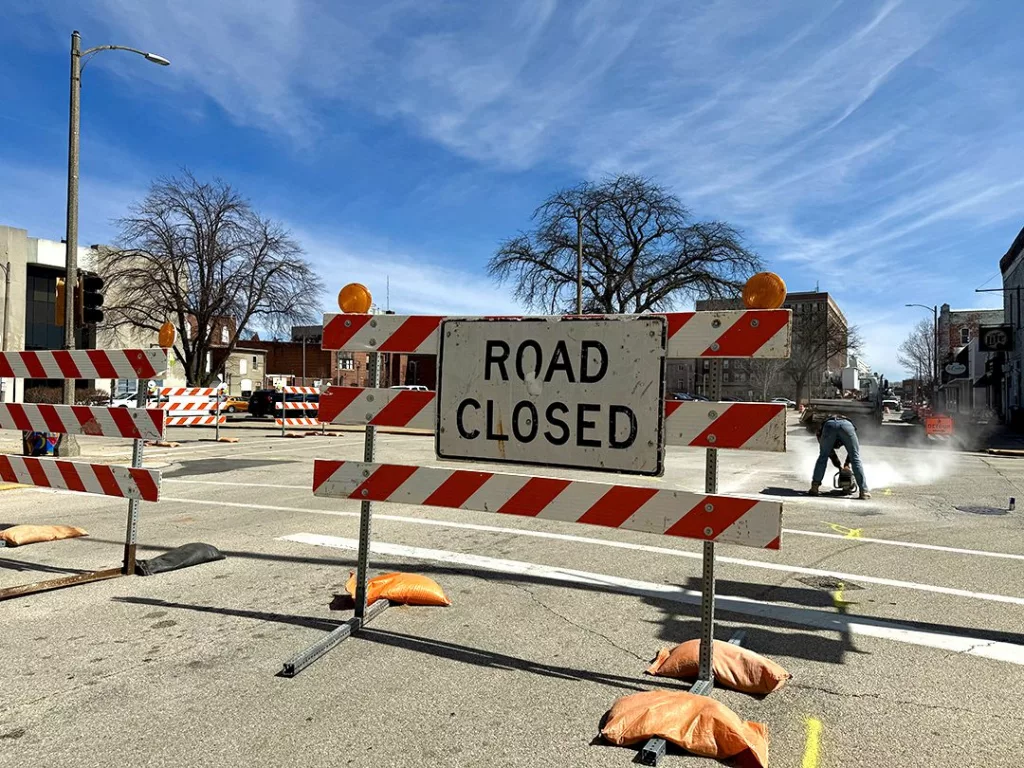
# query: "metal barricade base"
64, 581
335, 637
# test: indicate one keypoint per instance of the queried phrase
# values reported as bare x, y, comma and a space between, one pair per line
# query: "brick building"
816, 317
1011, 265
958, 346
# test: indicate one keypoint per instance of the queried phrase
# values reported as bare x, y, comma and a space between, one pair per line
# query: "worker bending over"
838, 431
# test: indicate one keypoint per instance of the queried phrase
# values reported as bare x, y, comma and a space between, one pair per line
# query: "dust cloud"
914, 466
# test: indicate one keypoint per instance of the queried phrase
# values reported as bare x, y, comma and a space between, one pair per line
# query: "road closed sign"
585, 393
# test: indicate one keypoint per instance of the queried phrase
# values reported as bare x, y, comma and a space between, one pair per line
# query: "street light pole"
935, 349
3, 334
71, 235
70, 445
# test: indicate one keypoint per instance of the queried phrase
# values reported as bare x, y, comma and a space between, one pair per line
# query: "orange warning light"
354, 299
765, 290
167, 335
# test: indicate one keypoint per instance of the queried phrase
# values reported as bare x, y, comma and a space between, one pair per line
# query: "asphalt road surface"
901, 618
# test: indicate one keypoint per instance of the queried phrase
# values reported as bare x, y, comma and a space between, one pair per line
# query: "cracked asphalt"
916, 659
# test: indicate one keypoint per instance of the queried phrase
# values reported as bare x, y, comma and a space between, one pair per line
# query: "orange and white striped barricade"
580, 392
138, 424
301, 419
192, 407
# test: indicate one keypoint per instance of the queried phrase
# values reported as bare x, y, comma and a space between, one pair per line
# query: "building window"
243, 367
255, 362
223, 334
346, 362
965, 335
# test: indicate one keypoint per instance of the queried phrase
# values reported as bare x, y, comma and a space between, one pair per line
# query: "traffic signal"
58, 314
88, 300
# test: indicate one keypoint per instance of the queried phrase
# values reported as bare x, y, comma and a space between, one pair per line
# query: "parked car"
411, 387
261, 402
893, 405
235, 405
132, 401
686, 397
785, 401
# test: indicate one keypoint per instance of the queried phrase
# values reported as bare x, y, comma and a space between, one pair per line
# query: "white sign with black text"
586, 393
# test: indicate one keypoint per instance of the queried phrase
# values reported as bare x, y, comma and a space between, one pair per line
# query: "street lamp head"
158, 59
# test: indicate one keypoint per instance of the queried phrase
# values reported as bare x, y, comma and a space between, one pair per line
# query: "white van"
411, 387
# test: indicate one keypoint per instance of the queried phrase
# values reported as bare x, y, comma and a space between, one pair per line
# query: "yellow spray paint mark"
887, 492
812, 749
837, 598
850, 533
9, 486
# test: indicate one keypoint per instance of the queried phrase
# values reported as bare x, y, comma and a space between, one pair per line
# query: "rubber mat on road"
180, 557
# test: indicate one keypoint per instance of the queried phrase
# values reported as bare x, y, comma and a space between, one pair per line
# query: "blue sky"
874, 148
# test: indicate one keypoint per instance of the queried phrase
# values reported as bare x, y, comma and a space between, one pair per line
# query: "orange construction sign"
938, 425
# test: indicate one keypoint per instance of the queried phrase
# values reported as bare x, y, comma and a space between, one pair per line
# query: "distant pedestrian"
834, 432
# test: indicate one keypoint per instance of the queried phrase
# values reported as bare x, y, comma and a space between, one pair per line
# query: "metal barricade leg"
363, 613
133, 504
705, 676
216, 417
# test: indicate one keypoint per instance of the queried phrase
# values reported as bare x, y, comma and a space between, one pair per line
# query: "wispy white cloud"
418, 284
850, 140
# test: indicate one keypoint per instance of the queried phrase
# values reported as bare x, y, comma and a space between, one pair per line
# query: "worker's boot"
815, 489
864, 494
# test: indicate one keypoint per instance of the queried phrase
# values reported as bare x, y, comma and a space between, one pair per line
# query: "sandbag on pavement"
17, 535
734, 666
179, 557
698, 724
404, 588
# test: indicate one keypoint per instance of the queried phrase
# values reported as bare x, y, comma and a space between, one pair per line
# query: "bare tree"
917, 353
819, 345
642, 251
764, 372
197, 254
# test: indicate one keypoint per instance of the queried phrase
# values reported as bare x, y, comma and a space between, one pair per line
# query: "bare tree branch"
642, 251
197, 254
917, 353
819, 346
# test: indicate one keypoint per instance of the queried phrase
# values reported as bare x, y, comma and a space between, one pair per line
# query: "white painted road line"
911, 544
781, 567
795, 531
831, 622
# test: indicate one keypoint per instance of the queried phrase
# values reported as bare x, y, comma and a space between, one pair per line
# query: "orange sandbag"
17, 535
734, 666
405, 588
698, 724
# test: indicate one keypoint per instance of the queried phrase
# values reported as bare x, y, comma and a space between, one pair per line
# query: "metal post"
935, 354
68, 445
71, 233
216, 417
303, 359
133, 504
282, 411
706, 678
366, 507
579, 266
3, 334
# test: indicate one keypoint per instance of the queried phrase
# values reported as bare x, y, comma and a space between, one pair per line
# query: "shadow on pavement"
822, 650
439, 648
20, 565
309, 622
213, 466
